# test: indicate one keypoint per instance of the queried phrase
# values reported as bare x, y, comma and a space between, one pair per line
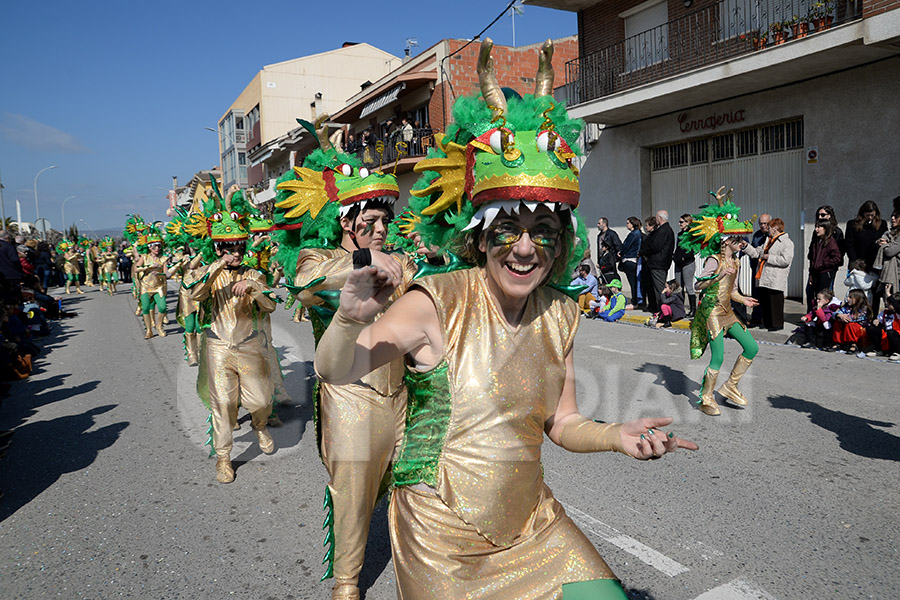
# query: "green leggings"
147, 303
71, 277
717, 346
190, 323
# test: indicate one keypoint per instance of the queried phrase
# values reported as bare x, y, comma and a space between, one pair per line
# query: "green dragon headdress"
64, 246
502, 152
715, 223
107, 244
223, 220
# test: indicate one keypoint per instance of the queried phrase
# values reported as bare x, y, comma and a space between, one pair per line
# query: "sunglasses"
507, 234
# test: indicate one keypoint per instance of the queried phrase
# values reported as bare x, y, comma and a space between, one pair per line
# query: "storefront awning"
382, 100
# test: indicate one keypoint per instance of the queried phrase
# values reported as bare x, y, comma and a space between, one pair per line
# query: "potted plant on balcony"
820, 14
779, 32
757, 38
799, 27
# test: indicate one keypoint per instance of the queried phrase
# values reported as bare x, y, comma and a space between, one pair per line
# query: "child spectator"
860, 279
615, 305
589, 282
671, 306
850, 322
816, 328
606, 264
884, 332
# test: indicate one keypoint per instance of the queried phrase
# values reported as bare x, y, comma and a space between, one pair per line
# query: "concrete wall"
851, 116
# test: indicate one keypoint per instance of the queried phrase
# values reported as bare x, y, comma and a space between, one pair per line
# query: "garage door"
763, 165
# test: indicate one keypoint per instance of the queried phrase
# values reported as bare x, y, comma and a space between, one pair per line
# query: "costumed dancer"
186, 310
259, 257
90, 260
490, 355
69, 251
716, 236
152, 270
134, 232
109, 265
233, 365
345, 211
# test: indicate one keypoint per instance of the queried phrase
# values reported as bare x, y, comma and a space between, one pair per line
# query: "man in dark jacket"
10, 266
657, 251
605, 234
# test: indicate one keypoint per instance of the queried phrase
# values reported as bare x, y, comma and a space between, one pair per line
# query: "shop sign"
713, 121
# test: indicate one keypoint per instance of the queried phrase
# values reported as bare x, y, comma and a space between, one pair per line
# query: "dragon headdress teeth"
514, 155
715, 223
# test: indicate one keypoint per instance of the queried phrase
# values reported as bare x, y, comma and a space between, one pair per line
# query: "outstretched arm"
641, 438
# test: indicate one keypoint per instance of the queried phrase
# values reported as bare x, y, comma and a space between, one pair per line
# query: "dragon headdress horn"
490, 89
320, 130
543, 82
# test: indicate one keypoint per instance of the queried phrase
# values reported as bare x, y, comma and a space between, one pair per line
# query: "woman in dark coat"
861, 239
628, 261
824, 260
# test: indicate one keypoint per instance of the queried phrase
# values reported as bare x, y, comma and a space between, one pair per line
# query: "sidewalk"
793, 310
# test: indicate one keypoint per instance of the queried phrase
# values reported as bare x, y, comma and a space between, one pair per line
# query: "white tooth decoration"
362, 205
532, 206
344, 210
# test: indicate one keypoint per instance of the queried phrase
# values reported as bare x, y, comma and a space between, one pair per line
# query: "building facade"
279, 94
790, 102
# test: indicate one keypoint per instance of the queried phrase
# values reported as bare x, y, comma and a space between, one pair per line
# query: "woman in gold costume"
152, 271
70, 255
716, 236
490, 362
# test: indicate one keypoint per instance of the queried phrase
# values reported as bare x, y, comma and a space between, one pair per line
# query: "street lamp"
63, 222
89, 227
37, 211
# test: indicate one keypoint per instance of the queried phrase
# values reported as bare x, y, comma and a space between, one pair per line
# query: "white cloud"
34, 135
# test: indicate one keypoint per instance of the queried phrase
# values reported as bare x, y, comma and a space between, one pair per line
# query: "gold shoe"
730, 388
190, 344
344, 591
137, 311
266, 443
224, 471
707, 397
148, 327
79, 290
274, 421
159, 326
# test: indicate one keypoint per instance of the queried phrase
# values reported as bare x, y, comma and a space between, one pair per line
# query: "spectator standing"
43, 264
684, 264
645, 280
759, 238
125, 264
605, 234
824, 260
657, 252
10, 267
351, 146
861, 237
629, 255
826, 213
887, 257
775, 260
406, 131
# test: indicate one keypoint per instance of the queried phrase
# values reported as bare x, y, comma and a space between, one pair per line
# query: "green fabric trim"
320, 318
299, 288
595, 589
428, 407
699, 330
572, 291
452, 263
188, 286
328, 527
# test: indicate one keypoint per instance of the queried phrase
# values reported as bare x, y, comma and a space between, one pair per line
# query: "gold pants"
438, 556
236, 374
360, 431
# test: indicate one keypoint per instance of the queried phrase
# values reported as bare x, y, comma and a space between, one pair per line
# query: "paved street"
109, 492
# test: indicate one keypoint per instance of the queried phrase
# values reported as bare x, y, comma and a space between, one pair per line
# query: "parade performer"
69, 251
134, 232
152, 270
345, 211
491, 360
90, 260
233, 364
716, 236
109, 265
186, 310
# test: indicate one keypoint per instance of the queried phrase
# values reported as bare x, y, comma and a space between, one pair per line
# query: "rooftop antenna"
515, 9
410, 44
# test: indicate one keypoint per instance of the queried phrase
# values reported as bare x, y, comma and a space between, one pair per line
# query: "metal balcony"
710, 35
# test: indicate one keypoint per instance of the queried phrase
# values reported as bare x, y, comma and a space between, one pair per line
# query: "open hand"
751, 302
644, 439
366, 292
239, 288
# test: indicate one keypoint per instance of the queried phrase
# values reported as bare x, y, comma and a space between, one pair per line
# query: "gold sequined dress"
359, 424
471, 516
152, 274
722, 317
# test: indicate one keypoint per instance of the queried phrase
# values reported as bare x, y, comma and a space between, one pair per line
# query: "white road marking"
657, 560
736, 589
613, 350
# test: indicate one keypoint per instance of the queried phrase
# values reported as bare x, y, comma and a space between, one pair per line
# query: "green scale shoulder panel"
428, 408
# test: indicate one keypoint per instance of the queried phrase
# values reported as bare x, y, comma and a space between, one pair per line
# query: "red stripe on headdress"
330, 187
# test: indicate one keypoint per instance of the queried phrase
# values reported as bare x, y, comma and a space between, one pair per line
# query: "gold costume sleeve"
336, 349
256, 290
584, 435
201, 290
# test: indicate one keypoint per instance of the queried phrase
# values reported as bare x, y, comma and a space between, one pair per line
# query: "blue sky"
117, 94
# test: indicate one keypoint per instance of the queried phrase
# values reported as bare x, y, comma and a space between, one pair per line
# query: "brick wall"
876, 7
515, 68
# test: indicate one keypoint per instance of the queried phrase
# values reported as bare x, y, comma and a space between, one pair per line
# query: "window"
678, 154
723, 147
239, 123
773, 138
747, 142
699, 151
660, 158
242, 159
646, 34
794, 134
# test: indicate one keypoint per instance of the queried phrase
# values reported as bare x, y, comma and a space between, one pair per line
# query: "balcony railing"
724, 30
386, 152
